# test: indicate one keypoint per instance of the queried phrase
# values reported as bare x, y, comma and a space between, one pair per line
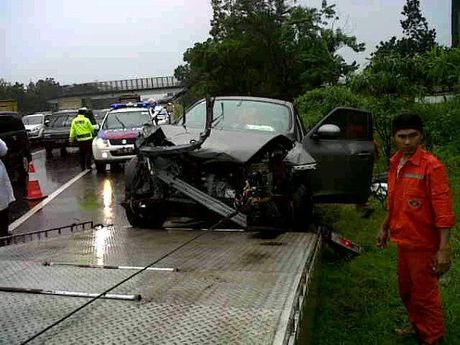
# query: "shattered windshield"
127, 119
247, 115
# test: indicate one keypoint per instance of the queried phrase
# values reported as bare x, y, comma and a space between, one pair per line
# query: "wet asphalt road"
91, 196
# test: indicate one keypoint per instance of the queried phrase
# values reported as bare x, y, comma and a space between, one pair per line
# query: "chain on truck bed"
105, 293
232, 287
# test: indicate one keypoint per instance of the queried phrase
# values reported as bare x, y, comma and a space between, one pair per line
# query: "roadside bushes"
315, 104
442, 120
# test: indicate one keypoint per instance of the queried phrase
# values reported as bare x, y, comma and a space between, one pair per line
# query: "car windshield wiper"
119, 121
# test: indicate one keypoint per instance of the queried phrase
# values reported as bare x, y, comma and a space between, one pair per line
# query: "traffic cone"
34, 192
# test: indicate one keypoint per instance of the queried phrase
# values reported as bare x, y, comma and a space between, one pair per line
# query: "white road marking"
37, 152
42, 203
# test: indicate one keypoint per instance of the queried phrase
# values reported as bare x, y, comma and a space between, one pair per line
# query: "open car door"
343, 147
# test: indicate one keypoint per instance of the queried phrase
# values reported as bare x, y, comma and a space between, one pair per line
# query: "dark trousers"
4, 220
86, 154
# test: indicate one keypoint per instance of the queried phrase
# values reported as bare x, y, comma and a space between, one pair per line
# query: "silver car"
34, 124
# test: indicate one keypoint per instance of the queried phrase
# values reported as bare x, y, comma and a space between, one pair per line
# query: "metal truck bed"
228, 287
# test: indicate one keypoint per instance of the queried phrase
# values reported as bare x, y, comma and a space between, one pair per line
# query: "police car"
118, 132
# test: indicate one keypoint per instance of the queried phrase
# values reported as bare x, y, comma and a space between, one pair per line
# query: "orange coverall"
419, 203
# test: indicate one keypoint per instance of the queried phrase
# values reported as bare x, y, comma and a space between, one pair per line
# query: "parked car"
249, 160
35, 124
57, 130
13, 133
121, 126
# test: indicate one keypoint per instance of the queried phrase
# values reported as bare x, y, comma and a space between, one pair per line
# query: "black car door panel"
344, 159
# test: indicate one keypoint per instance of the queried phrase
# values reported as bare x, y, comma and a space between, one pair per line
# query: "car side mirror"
327, 132
47, 122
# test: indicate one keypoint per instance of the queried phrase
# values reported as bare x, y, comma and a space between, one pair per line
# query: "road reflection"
100, 240
108, 198
100, 244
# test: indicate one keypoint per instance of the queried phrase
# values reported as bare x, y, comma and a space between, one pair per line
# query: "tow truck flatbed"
225, 287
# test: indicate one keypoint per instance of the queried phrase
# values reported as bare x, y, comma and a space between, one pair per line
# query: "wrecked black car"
249, 162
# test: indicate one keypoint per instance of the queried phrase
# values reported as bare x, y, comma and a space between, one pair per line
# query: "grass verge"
359, 301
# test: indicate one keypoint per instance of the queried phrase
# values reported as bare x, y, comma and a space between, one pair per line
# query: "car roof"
34, 115
64, 112
128, 109
251, 98
10, 121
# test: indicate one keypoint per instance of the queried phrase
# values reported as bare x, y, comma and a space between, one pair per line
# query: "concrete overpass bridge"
100, 94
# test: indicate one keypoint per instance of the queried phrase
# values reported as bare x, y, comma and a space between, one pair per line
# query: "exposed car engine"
247, 175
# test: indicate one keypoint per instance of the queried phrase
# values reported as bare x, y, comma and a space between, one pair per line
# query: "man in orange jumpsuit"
419, 220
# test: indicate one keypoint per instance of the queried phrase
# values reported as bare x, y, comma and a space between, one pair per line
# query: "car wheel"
302, 210
49, 151
100, 167
140, 219
144, 218
134, 219
64, 152
131, 177
115, 167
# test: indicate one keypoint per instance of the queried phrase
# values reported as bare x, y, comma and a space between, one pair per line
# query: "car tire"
100, 167
49, 151
134, 219
137, 217
115, 167
141, 220
302, 210
64, 152
130, 177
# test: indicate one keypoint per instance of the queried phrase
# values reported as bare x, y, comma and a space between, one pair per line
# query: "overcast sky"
88, 40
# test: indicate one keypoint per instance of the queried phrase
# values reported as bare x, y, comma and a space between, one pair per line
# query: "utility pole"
455, 23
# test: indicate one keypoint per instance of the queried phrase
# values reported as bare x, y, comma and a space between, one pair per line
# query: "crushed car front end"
253, 178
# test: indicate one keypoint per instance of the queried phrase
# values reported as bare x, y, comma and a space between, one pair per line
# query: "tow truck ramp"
219, 287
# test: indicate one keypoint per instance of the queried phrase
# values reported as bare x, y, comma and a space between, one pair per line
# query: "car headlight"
102, 143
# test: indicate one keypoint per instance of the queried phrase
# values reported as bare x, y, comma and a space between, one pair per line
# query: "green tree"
441, 68
33, 97
417, 37
267, 48
391, 75
38, 94
404, 67
15, 91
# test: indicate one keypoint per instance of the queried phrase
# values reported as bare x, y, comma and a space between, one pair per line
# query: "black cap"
83, 111
407, 121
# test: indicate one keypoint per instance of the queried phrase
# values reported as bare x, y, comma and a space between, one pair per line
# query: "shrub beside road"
359, 301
